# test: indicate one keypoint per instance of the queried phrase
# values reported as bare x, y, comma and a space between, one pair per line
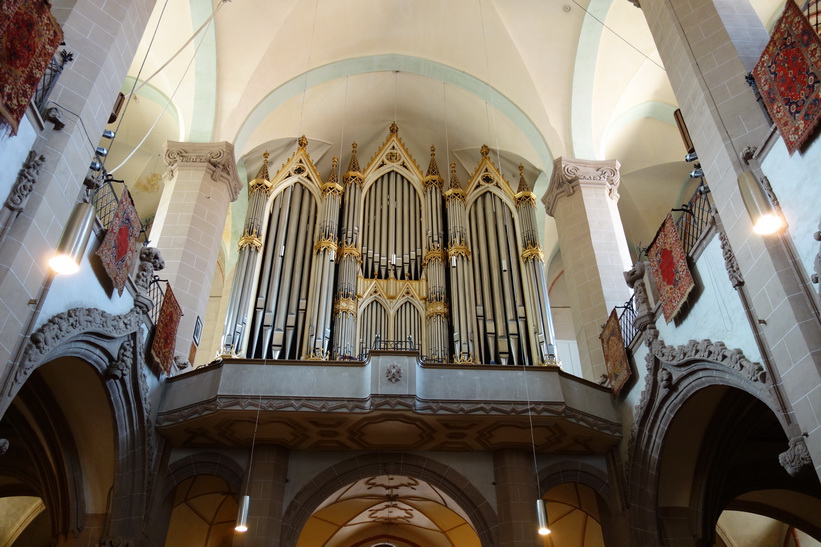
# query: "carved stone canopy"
218, 157
569, 174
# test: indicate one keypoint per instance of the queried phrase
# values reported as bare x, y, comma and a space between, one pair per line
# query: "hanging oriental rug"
615, 356
668, 263
118, 248
788, 76
165, 333
29, 35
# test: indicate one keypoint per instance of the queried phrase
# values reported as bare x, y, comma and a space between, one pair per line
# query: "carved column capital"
570, 174
217, 157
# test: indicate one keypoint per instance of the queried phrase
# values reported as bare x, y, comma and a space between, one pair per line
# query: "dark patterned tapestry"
615, 356
788, 76
118, 248
29, 35
670, 271
165, 332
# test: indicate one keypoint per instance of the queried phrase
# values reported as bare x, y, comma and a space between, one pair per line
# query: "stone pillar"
88, 87
707, 47
582, 197
269, 472
201, 180
516, 495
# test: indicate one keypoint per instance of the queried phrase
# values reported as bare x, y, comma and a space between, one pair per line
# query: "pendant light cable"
307, 67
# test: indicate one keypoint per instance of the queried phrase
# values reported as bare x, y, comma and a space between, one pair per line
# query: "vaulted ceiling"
532, 79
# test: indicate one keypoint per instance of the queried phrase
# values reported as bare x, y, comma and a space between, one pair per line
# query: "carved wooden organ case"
389, 257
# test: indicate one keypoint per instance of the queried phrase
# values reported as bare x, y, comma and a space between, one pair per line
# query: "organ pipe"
249, 247
457, 274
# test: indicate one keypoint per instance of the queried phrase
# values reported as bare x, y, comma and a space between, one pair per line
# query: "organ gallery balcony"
389, 402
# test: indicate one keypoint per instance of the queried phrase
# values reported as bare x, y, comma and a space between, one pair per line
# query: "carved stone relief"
122, 364
730, 262
635, 280
796, 459
20, 191
393, 373
816, 277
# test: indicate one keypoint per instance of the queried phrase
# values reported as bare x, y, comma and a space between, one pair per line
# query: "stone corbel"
796, 459
635, 280
569, 174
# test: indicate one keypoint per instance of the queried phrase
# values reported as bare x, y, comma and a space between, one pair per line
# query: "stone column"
269, 472
201, 180
582, 197
708, 46
516, 495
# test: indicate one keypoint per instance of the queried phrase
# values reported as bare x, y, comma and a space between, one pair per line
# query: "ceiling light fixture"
73, 243
245, 500
766, 221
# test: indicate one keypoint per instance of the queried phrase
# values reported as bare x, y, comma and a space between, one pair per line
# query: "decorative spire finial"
353, 166
263, 171
302, 142
433, 168
334, 176
485, 151
523, 187
454, 182
394, 128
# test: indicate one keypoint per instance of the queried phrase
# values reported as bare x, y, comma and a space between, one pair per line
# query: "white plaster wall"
717, 314
83, 290
795, 183
13, 152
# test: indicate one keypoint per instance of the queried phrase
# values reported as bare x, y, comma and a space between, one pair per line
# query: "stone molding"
217, 157
569, 174
411, 403
730, 262
816, 276
634, 277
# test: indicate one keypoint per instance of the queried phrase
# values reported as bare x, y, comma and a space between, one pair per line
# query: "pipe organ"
329, 270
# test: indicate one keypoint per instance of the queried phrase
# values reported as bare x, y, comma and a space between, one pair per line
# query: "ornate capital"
217, 157
346, 305
569, 174
436, 308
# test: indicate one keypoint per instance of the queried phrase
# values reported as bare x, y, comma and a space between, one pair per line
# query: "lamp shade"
541, 513
72, 246
765, 220
242, 514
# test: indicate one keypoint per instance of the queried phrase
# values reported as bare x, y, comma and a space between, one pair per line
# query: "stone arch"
112, 346
678, 379
481, 514
580, 472
204, 463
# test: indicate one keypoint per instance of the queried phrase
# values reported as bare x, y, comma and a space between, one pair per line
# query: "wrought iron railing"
811, 10
49, 81
693, 218
156, 294
388, 345
105, 202
627, 319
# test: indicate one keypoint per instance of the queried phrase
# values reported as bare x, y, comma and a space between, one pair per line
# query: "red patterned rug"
670, 271
788, 76
118, 248
29, 35
165, 332
615, 356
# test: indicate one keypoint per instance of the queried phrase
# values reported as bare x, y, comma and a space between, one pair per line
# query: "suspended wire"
167, 104
447, 141
137, 78
342, 135
307, 66
619, 36
180, 50
492, 107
